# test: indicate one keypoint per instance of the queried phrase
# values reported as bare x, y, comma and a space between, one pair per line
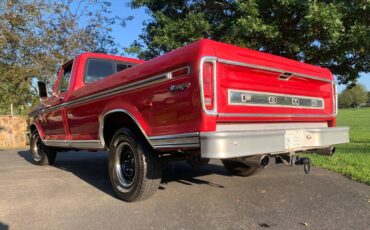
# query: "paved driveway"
76, 194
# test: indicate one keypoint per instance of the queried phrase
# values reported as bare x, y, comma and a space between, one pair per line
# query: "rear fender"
35, 125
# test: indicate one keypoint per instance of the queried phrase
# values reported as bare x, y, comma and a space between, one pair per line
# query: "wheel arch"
32, 127
114, 119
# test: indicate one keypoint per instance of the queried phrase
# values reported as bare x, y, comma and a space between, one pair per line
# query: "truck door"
54, 116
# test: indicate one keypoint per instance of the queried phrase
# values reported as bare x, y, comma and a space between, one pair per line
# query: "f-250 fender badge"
180, 87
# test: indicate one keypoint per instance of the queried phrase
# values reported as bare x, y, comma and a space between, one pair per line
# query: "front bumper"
230, 144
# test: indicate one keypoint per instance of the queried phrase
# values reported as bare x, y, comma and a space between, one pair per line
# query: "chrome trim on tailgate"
247, 143
269, 126
267, 99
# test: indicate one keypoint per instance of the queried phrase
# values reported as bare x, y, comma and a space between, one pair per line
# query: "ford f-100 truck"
206, 100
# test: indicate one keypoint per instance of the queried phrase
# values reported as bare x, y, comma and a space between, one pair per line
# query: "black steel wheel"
41, 154
134, 170
125, 165
238, 168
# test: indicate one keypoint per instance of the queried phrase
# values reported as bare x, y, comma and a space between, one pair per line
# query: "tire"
238, 168
134, 171
40, 153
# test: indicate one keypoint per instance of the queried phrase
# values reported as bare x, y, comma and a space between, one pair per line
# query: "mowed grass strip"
353, 159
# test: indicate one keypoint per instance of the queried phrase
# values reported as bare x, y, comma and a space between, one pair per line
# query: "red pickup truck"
206, 100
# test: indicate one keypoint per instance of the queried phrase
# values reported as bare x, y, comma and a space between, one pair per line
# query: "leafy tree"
332, 34
353, 97
38, 36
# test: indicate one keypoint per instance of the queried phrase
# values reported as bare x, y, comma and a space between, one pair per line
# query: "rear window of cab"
97, 69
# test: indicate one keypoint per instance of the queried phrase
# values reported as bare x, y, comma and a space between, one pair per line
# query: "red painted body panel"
160, 111
230, 52
241, 78
52, 123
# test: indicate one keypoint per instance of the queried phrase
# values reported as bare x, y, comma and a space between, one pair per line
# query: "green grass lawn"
353, 159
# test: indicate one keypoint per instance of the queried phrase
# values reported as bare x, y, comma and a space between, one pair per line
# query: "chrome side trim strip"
79, 144
214, 61
230, 62
34, 113
273, 115
121, 89
177, 146
183, 140
174, 136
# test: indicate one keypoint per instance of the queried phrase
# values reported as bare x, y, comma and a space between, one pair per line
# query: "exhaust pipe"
256, 161
329, 151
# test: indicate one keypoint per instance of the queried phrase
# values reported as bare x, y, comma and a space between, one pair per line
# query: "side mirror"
43, 93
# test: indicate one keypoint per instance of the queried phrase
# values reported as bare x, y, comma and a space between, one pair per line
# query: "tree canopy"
353, 96
38, 36
332, 34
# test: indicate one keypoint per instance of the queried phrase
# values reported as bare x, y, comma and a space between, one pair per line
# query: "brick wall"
13, 132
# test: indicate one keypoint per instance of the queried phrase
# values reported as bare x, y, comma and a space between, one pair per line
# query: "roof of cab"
110, 56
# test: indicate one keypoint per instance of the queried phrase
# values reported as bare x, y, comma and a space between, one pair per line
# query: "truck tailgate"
252, 84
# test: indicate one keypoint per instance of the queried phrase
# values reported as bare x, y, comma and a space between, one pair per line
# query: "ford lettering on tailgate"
253, 98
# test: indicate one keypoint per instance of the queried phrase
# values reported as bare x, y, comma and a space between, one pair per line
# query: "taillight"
208, 85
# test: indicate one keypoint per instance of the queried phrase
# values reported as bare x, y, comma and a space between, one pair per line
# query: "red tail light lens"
208, 85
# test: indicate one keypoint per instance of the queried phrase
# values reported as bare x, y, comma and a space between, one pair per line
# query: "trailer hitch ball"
294, 160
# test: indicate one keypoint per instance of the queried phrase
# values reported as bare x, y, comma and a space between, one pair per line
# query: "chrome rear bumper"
230, 144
